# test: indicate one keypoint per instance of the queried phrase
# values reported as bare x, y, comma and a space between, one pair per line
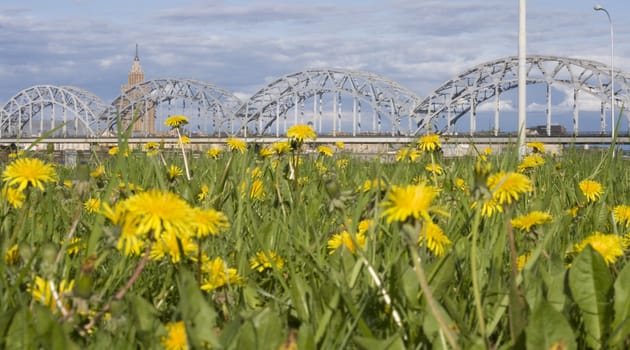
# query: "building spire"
137, 58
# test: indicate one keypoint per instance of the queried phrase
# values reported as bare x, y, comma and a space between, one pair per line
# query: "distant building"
145, 110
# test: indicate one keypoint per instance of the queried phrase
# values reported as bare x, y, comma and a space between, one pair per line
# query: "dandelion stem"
475, 277
181, 144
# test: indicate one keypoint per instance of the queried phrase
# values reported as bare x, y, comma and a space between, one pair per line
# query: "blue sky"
243, 45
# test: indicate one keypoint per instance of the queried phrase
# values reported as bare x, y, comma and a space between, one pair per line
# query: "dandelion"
152, 148
41, 291
489, 207
344, 239
407, 154
219, 275
325, 151
522, 260
155, 212
429, 143
487, 151
301, 132
236, 145
266, 152
257, 191
185, 140
526, 222
98, 172
340, 145
432, 235
342, 163
610, 246
209, 222
281, 147
591, 189
12, 256
174, 171
74, 245
176, 338
169, 245
175, 121
537, 147
573, 211
461, 184
530, 162
410, 201
370, 184
321, 168
266, 260
507, 187
28, 171
92, 205
14, 197
203, 192
214, 152
113, 151
434, 168
622, 214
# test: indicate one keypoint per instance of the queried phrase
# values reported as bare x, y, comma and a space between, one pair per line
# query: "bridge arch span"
334, 101
461, 96
40, 109
209, 108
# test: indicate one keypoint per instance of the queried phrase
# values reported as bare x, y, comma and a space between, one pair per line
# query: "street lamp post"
599, 7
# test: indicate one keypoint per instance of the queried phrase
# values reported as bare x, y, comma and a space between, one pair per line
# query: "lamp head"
598, 7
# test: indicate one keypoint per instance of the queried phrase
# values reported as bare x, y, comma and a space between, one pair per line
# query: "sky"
242, 46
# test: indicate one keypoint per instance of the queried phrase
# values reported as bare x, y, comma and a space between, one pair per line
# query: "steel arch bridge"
463, 94
40, 109
209, 109
373, 104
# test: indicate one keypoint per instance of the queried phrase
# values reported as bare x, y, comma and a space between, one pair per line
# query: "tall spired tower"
145, 110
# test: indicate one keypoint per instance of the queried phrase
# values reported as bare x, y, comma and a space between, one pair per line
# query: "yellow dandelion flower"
626, 240
490, 207
342, 163
176, 338
152, 148
73, 247
340, 145
365, 225
185, 140
154, 212
257, 190
432, 235
266, 260
522, 260
487, 151
92, 205
434, 168
175, 121
266, 152
255, 173
507, 187
169, 245
41, 291
573, 211
98, 171
591, 189
301, 132
370, 184
219, 275
113, 151
209, 222
407, 154
537, 147
530, 162
344, 239
622, 214
410, 201
610, 246
29, 171
174, 171
526, 222
203, 192
325, 150
12, 256
236, 145
429, 143
461, 184
67, 183
14, 197
281, 147
214, 152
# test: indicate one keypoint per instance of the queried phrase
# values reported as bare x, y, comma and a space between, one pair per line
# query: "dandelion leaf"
198, 316
621, 323
549, 329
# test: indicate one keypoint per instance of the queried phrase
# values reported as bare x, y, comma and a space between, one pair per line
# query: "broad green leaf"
621, 323
261, 330
305, 338
590, 283
300, 293
198, 316
392, 343
548, 328
143, 312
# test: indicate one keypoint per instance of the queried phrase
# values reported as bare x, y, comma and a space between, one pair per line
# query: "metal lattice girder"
209, 109
39, 109
469, 89
268, 111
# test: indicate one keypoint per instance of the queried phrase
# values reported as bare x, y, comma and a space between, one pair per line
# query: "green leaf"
261, 330
590, 283
143, 312
391, 343
621, 322
198, 316
548, 328
300, 294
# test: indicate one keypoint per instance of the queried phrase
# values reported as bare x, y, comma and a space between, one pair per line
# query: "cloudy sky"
243, 45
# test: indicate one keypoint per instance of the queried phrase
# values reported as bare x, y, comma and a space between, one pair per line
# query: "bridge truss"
462, 95
209, 109
340, 102
62, 111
